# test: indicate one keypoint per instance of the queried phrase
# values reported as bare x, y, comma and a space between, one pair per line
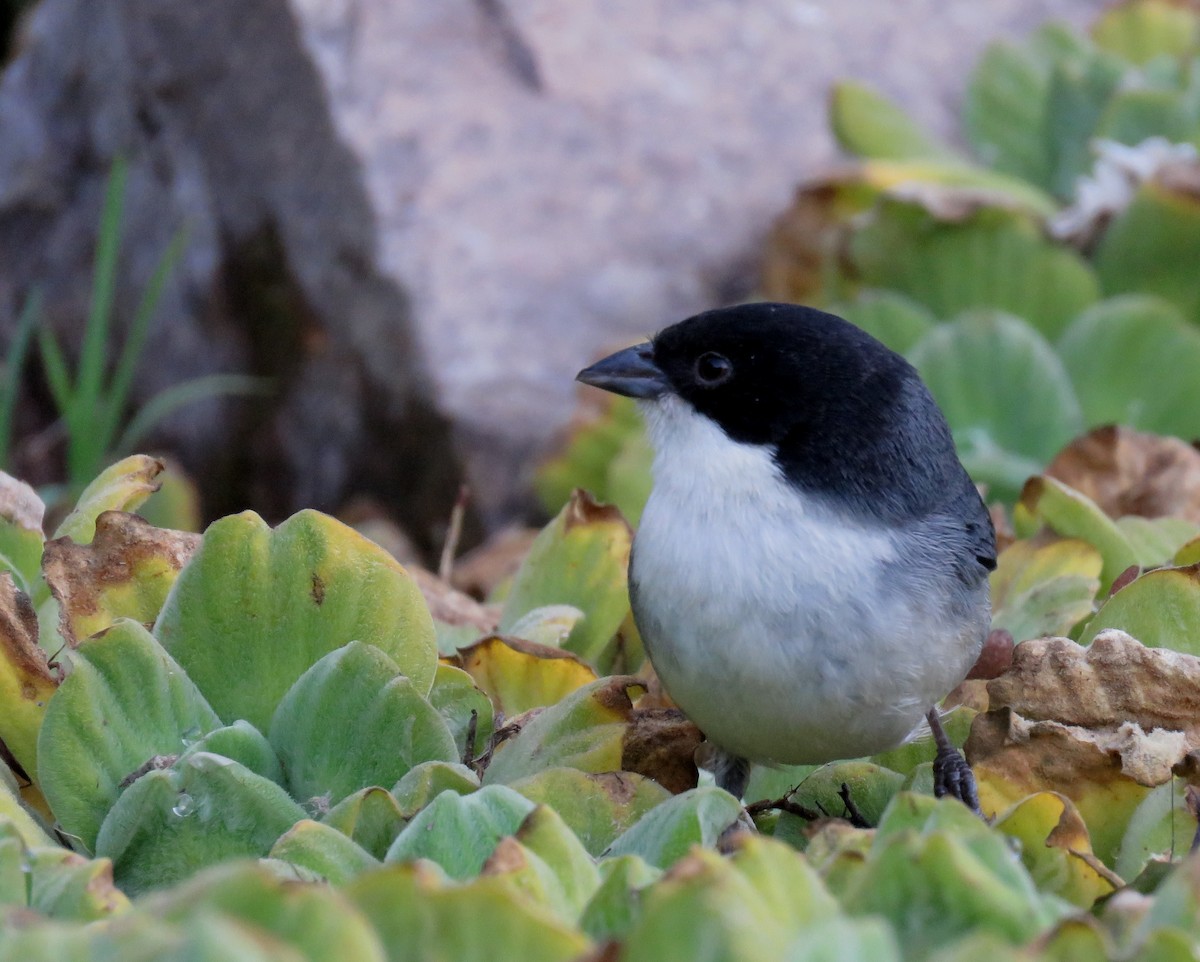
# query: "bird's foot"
952, 774
731, 772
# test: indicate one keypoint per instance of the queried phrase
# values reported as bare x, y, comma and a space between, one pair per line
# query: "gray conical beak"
631, 372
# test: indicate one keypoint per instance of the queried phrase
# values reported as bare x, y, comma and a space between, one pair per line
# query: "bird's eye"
713, 369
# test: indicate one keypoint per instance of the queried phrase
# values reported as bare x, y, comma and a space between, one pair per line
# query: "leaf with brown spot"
121, 487
124, 572
598, 806
1131, 472
586, 730
1044, 589
26, 679
519, 675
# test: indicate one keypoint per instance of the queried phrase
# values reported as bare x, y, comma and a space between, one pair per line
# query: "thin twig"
453, 534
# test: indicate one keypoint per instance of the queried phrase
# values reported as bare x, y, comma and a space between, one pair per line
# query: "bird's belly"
792, 647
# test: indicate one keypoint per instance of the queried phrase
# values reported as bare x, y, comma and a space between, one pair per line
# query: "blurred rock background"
421, 218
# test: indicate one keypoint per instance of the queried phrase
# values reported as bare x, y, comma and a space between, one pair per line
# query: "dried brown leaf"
804, 237
1114, 680
1130, 472
661, 744
450, 605
480, 570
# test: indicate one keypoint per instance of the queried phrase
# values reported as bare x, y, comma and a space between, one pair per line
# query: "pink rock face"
553, 178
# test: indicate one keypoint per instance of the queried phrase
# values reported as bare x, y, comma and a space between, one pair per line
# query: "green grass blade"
57, 375
172, 398
131, 352
13, 364
90, 382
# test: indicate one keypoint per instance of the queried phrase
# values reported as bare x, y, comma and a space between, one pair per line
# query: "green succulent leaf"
967, 261
1005, 393
243, 743
938, 885
869, 125
579, 559
1056, 849
418, 919
586, 730
665, 834
1040, 590
1155, 541
324, 850
352, 721
597, 807
1047, 501
1161, 609
207, 809
1161, 827
1133, 361
125, 704
54, 882
455, 698
897, 321
754, 905
1150, 247
460, 832
1141, 31
1007, 112
21, 537
548, 857
121, 487
616, 904
295, 921
428, 780
256, 608
371, 817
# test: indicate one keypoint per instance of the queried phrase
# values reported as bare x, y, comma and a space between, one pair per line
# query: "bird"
810, 571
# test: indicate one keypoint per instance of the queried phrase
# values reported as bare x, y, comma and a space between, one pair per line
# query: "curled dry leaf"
1114, 680
124, 572
452, 606
1100, 724
1129, 472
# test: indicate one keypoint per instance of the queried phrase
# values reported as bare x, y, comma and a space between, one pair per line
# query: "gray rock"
224, 121
490, 191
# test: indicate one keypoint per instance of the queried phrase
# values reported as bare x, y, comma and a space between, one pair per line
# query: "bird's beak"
631, 372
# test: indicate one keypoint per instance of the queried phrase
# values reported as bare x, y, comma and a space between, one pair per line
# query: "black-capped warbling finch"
810, 575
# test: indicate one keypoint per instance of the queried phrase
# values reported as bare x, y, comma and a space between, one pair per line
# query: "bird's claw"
953, 776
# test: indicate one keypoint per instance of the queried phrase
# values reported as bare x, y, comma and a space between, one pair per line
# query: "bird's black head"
843, 415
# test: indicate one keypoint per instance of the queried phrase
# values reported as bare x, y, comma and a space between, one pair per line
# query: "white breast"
768, 617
